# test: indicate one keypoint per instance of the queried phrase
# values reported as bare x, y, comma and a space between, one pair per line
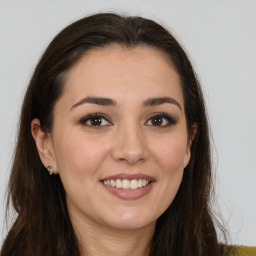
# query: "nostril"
130, 157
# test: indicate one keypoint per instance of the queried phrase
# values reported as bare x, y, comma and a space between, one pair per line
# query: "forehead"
116, 70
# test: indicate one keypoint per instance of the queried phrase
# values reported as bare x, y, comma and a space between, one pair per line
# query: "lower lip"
129, 193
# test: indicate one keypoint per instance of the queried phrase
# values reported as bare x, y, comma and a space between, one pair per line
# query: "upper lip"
129, 177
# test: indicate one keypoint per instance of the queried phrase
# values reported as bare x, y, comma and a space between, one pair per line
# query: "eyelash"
160, 116
169, 120
94, 116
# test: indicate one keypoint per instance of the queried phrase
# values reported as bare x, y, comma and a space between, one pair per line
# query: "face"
119, 139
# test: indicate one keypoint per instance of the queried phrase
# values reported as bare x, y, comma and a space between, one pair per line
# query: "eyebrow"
95, 100
109, 102
161, 100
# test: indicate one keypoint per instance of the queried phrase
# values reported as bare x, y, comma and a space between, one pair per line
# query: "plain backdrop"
220, 37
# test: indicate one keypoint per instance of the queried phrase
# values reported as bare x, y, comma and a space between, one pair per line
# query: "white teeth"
127, 184
118, 183
139, 183
133, 184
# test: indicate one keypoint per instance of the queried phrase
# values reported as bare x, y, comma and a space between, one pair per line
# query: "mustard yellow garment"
243, 251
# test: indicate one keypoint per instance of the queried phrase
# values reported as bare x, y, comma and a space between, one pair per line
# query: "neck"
97, 240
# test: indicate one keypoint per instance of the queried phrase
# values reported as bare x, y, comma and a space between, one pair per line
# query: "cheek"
78, 155
79, 160
172, 166
172, 155
170, 160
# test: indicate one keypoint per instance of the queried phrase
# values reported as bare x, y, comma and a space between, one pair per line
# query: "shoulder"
243, 251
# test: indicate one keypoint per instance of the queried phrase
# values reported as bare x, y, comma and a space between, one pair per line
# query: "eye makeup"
161, 120
95, 120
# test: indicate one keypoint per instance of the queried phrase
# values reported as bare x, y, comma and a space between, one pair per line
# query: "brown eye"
161, 120
95, 121
157, 121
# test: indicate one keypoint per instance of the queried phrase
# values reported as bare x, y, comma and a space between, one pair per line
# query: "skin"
127, 141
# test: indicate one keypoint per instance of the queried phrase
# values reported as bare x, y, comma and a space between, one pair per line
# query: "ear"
191, 136
43, 144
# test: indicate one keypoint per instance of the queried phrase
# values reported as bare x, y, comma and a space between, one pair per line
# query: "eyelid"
168, 118
86, 118
171, 120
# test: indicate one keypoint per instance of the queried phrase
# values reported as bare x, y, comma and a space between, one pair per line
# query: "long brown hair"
43, 226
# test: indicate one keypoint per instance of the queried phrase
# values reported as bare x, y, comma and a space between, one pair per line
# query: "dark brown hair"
43, 226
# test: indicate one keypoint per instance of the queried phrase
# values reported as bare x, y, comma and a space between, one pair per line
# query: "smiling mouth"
126, 184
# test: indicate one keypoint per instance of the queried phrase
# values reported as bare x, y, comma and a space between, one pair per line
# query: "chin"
131, 221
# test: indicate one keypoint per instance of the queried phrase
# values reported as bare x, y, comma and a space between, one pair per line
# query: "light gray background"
220, 37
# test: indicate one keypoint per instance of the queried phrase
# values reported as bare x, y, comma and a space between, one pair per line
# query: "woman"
115, 111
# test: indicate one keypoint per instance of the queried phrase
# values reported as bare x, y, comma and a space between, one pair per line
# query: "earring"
49, 169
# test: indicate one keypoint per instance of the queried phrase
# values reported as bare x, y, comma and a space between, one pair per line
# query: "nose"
130, 145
